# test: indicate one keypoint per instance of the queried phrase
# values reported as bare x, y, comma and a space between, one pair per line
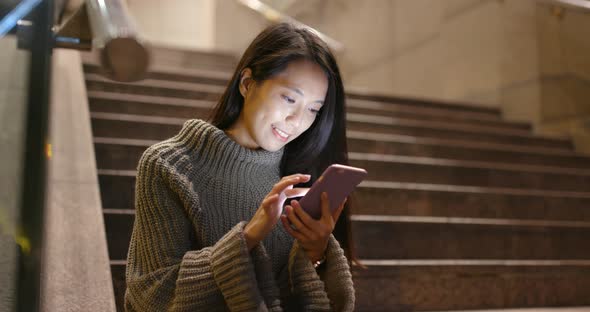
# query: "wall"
564, 82
176, 23
516, 55
521, 56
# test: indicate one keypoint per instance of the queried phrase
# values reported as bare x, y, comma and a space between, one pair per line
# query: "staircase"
461, 210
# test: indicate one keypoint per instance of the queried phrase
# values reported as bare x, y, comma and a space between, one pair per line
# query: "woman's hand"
270, 210
312, 234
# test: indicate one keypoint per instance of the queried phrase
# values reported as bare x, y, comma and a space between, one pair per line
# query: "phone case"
338, 181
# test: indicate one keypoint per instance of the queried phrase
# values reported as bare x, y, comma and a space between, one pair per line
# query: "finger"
297, 192
290, 230
304, 216
305, 177
326, 213
299, 225
338, 211
270, 200
288, 181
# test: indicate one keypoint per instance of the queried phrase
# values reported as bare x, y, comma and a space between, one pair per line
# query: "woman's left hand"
312, 234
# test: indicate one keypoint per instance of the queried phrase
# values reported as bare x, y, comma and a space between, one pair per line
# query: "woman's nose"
294, 118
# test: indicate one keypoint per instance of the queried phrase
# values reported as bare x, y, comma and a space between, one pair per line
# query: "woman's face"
278, 110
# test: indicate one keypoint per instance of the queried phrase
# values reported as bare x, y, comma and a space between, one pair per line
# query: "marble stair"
462, 210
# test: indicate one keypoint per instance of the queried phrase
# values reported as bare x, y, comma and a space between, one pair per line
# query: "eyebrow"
298, 91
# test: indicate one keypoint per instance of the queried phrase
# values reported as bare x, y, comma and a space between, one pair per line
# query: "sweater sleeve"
331, 290
164, 272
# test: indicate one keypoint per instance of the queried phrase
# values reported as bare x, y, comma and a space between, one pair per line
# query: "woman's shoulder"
186, 141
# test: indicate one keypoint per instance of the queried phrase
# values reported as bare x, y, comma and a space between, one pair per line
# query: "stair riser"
460, 135
118, 229
125, 158
168, 76
456, 175
119, 285
466, 288
149, 109
380, 147
118, 192
94, 85
400, 202
399, 240
457, 118
465, 153
406, 289
98, 104
154, 131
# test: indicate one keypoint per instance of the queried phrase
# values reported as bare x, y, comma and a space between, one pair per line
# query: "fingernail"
324, 195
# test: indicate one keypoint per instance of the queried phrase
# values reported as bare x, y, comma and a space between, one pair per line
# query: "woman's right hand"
269, 212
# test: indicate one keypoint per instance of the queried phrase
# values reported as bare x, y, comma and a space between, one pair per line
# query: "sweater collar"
215, 144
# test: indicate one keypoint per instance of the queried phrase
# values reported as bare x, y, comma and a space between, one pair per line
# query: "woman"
209, 199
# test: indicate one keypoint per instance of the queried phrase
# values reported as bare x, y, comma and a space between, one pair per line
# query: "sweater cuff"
306, 285
337, 277
265, 278
233, 272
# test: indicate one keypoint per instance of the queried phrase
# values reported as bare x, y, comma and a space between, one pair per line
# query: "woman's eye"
288, 99
314, 111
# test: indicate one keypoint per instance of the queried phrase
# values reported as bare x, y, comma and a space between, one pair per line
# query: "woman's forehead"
302, 77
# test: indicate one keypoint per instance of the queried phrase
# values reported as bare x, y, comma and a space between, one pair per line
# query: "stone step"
470, 173
401, 169
461, 286
117, 189
171, 74
395, 237
168, 57
404, 145
423, 102
119, 227
159, 128
426, 147
402, 108
113, 102
214, 77
124, 154
202, 90
466, 285
402, 237
152, 87
421, 199
119, 284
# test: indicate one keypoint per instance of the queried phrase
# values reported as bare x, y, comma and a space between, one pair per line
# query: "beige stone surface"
576, 43
13, 102
178, 23
522, 102
75, 267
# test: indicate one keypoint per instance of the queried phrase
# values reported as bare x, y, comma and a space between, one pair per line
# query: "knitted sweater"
194, 194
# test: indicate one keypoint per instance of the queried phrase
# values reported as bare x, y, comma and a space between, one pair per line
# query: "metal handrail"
275, 16
574, 4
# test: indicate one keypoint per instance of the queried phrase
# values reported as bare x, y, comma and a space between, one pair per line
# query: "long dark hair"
324, 143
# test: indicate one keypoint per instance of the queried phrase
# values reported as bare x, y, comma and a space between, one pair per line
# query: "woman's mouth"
281, 135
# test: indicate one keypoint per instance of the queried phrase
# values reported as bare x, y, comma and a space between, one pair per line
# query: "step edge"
468, 221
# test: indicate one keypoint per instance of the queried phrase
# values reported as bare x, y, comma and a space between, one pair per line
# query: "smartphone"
338, 181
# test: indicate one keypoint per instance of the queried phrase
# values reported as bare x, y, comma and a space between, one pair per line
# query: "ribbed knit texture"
194, 194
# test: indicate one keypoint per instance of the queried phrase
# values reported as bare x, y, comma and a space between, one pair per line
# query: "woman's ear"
246, 81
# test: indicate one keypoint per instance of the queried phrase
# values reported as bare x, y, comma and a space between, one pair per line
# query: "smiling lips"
281, 135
